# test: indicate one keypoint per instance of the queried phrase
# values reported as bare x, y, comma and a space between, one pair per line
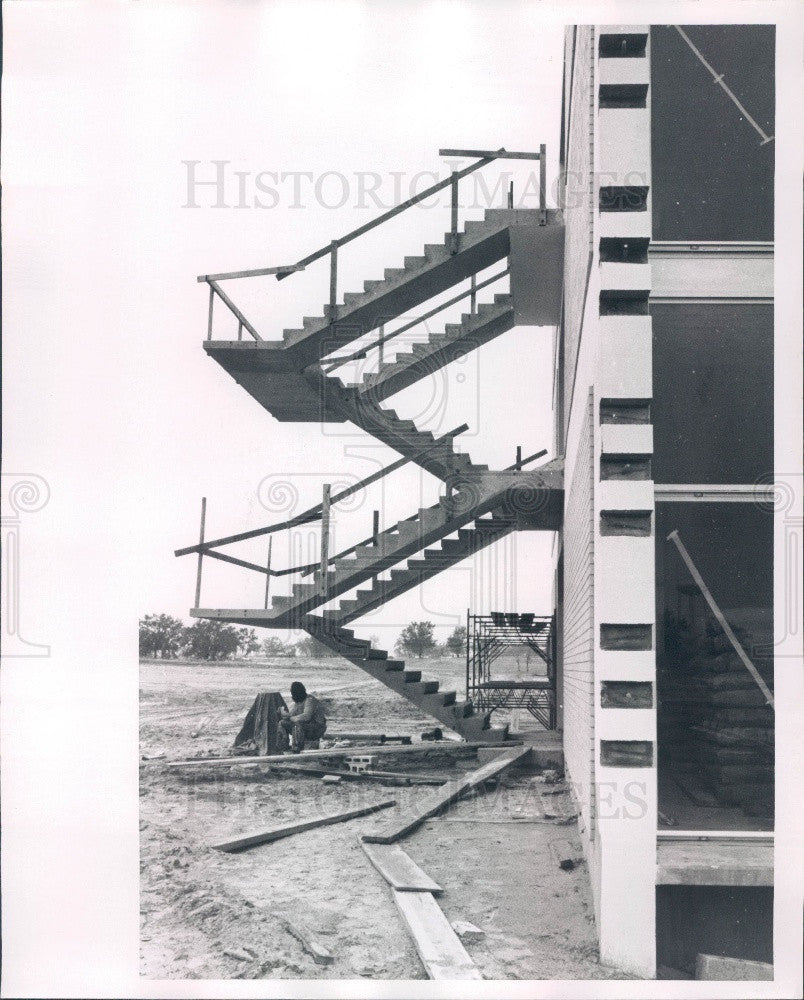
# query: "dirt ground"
210, 915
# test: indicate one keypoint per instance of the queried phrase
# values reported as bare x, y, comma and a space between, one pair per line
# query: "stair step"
413, 263
504, 298
392, 273
422, 688
377, 654
411, 676
394, 665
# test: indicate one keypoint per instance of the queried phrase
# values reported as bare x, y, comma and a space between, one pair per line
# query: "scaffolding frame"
487, 637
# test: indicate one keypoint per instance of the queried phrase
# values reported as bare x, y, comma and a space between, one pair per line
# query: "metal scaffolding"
489, 636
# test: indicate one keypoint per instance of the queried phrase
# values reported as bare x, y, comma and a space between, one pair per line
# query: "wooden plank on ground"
320, 954
287, 830
724, 969
399, 870
442, 954
400, 776
451, 746
433, 803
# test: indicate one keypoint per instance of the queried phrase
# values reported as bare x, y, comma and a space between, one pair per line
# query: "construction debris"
723, 969
468, 932
319, 954
398, 869
566, 856
395, 777
278, 832
450, 746
443, 797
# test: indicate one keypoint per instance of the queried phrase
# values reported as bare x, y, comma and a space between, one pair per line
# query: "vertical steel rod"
375, 528
518, 457
268, 573
211, 305
749, 666
333, 281
467, 654
454, 220
543, 184
325, 538
381, 355
200, 554
473, 295
511, 195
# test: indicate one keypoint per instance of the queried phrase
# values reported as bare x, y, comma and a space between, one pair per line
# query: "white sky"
102, 106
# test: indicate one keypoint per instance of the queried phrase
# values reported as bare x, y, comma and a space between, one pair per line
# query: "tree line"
165, 637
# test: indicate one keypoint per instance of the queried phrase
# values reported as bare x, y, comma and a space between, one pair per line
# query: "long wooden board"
439, 947
399, 776
399, 870
433, 803
278, 832
425, 747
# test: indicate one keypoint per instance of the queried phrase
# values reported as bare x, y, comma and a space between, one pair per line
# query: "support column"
624, 562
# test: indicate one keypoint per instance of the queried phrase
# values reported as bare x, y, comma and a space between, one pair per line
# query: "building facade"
664, 414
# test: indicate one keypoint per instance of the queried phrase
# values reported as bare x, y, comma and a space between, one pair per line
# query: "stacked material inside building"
715, 721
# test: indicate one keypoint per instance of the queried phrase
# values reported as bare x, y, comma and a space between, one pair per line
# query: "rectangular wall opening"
716, 731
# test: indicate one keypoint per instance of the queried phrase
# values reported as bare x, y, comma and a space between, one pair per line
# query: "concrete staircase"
289, 379
425, 694
416, 570
427, 357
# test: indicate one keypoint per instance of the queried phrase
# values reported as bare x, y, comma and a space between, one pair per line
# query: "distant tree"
248, 642
456, 643
416, 639
160, 636
211, 640
312, 648
273, 646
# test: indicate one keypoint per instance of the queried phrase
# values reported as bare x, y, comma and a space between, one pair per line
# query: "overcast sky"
109, 119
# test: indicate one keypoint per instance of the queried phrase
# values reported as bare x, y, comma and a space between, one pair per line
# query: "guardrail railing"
332, 248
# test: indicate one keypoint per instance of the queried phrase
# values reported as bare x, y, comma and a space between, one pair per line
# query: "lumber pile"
715, 721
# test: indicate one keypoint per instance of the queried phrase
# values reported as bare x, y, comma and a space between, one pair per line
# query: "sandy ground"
492, 859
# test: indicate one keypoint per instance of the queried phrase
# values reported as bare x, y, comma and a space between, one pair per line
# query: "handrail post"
333, 281
454, 219
239, 331
375, 528
473, 295
518, 457
325, 499
511, 195
211, 306
268, 570
543, 184
201, 553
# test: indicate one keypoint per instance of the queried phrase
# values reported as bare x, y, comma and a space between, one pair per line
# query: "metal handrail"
524, 461
314, 513
330, 367
280, 273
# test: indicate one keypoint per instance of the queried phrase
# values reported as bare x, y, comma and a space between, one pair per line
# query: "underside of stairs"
284, 375
445, 706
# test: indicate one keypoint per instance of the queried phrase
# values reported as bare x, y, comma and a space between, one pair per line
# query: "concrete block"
724, 969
